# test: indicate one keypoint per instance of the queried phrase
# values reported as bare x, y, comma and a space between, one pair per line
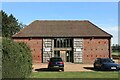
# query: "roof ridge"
61, 20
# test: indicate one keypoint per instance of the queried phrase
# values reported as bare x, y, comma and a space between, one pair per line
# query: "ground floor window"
56, 53
69, 56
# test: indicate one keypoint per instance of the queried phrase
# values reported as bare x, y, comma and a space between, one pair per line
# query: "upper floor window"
62, 42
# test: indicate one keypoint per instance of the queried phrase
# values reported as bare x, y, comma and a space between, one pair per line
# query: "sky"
60, 0
102, 14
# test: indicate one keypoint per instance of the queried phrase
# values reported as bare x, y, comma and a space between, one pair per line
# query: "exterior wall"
90, 49
77, 50
35, 46
47, 49
95, 48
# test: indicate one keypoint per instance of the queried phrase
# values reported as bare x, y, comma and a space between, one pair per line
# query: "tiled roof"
62, 28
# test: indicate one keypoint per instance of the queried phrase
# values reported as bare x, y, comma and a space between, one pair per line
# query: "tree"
116, 48
16, 59
0, 24
10, 25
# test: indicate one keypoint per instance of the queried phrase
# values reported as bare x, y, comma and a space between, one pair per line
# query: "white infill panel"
47, 49
78, 46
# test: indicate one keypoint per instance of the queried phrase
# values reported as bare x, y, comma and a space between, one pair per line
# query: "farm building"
75, 41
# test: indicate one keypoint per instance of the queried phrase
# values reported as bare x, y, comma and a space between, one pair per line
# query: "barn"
75, 41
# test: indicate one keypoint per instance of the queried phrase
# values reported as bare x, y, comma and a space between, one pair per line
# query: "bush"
0, 57
16, 59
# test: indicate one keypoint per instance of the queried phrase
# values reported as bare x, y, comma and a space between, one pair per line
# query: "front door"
66, 56
63, 55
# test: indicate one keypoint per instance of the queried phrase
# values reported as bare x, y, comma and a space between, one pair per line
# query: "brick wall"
35, 46
95, 48
92, 48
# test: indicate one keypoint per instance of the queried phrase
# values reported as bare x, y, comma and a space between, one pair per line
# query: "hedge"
16, 59
0, 57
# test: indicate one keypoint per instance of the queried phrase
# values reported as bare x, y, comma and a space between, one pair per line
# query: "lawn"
97, 74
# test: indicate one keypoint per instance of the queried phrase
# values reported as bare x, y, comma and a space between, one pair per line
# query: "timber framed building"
76, 41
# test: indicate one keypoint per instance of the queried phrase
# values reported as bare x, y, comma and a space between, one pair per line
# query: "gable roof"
61, 28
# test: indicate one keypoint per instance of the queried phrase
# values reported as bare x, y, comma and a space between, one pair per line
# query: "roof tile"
62, 28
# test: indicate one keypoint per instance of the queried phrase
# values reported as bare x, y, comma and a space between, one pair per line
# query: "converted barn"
74, 41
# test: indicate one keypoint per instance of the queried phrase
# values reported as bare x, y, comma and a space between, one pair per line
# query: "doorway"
66, 56
63, 55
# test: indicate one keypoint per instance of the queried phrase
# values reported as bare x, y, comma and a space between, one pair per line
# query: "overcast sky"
102, 14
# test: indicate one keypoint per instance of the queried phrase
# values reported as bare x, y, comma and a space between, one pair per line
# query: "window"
57, 54
55, 43
63, 43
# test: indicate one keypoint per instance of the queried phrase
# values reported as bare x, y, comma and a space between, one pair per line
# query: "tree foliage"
16, 56
115, 48
10, 24
16, 59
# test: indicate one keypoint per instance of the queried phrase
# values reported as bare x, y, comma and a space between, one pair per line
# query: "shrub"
16, 59
0, 57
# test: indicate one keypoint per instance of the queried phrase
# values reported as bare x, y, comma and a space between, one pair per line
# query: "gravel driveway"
68, 67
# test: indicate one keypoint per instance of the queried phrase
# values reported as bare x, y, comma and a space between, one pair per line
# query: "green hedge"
0, 57
16, 59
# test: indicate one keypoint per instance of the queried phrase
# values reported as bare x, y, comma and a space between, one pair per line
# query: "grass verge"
96, 74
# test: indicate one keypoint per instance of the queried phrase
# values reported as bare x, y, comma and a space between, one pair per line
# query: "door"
63, 55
